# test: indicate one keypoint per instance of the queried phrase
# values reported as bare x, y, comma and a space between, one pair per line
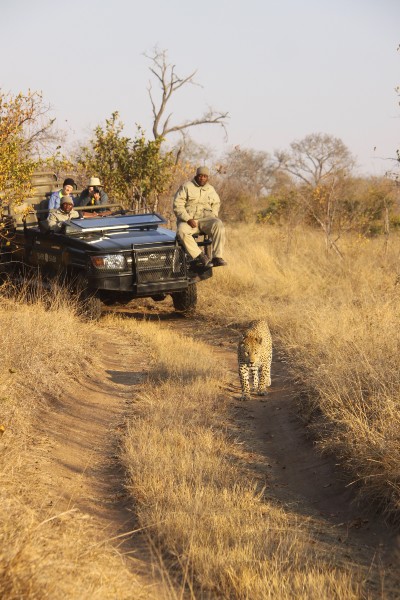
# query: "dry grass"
337, 323
191, 493
44, 554
58, 557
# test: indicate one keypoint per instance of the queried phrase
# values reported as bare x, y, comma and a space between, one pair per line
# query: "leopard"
255, 358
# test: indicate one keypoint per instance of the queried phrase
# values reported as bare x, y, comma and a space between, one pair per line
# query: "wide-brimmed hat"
94, 182
66, 200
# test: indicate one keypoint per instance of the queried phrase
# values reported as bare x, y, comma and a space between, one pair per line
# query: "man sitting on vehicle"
196, 206
67, 189
62, 215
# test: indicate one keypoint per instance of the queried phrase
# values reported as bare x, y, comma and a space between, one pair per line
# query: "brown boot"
202, 260
217, 261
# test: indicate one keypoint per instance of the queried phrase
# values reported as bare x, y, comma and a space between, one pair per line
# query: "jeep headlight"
109, 262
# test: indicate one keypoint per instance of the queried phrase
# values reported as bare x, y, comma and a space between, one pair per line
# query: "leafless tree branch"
170, 83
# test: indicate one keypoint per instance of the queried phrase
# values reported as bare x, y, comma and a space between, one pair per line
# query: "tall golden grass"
44, 554
336, 322
193, 495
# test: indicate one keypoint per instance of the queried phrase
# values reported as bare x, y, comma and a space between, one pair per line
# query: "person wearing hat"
67, 189
93, 195
61, 215
196, 206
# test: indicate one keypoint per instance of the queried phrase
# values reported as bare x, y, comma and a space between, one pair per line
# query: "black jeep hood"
114, 240
119, 232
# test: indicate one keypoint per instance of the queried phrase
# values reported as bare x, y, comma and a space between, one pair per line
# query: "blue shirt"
54, 200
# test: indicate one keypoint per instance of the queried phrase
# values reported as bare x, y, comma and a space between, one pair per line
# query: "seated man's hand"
89, 214
192, 223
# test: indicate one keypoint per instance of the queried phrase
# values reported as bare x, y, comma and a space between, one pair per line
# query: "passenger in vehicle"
67, 189
62, 215
93, 194
96, 200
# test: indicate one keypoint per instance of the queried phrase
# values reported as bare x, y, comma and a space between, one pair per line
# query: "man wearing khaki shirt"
196, 206
63, 214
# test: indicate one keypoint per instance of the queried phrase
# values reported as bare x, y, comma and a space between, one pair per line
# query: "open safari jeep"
109, 259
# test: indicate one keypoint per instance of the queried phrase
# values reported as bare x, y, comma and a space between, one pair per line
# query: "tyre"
158, 297
185, 302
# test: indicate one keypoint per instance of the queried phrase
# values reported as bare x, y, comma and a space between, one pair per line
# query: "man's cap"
94, 181
66, 200
203, 171
69, 181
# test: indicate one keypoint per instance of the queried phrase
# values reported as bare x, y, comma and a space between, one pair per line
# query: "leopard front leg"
265, 379
255, 376
244, 382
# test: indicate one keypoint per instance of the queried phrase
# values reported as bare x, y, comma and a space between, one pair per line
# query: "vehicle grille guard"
159, 264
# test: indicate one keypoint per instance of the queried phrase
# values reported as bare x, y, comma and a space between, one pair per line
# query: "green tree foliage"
368, 206
371, 205
281, 206
24, 129
133, 171
314, 184
245, 178
320, 166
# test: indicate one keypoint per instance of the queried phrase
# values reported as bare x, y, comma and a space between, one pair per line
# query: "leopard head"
251, 348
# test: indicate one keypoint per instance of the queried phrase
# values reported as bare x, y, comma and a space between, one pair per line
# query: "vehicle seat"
44, 226
42, 209
23, 214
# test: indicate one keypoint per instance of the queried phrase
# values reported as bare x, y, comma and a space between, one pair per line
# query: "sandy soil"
298, 476
83, 432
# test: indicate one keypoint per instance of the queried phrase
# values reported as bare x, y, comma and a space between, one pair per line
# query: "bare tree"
170, 83
189, 151
249, 169
321, 164
316, 159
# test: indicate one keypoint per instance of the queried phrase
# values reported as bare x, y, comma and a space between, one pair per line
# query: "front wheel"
89, 305
185, 302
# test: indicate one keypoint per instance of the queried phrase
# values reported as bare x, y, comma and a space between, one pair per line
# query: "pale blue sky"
282, 68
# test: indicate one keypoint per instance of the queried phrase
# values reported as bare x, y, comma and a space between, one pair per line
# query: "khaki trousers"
210, 226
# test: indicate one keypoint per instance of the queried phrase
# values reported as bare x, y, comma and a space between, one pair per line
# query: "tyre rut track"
295, 475
82, 433
84, 430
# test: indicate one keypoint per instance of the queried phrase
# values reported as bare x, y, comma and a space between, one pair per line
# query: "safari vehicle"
109, 259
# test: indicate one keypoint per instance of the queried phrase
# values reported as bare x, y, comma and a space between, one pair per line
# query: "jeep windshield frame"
80, 226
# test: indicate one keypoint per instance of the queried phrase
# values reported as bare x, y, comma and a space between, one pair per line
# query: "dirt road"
83, 433
298, 477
